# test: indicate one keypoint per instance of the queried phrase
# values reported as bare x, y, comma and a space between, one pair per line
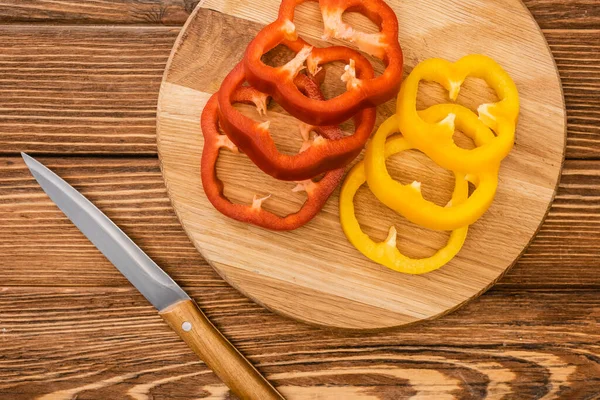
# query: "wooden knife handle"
214, 349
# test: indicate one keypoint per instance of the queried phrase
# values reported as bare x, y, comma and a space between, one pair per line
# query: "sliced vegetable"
363, 88
386, 253
435, 138
407, 200
325, 154
317, 192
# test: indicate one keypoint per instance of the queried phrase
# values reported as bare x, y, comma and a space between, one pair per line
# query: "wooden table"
79, 83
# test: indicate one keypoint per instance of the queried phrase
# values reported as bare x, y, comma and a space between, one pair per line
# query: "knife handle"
190, 323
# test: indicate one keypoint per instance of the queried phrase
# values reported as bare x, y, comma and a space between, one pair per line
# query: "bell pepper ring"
363, 90
317, 192
254, 140
435, 139
386, 253
407, 200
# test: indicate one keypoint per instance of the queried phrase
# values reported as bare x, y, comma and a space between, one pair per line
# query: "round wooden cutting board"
313, 274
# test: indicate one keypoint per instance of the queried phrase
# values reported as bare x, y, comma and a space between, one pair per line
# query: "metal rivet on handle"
186, 326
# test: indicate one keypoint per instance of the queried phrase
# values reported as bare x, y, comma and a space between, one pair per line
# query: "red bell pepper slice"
362, 91
317, 192
254, 140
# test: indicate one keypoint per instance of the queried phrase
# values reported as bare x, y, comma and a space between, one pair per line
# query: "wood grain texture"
143, 12
93, 90
313, 273
81, 90
577, 58
132, 193
503, 345
548, 13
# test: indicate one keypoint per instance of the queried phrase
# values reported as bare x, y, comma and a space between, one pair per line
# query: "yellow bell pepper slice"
435, 139
386, 253
407, 200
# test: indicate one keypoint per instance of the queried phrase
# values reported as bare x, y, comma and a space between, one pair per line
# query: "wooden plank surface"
96, 92
69, 321
132, 193
50, 345
550, 14
142, 12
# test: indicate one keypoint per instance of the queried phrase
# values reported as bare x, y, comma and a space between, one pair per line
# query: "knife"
173, 304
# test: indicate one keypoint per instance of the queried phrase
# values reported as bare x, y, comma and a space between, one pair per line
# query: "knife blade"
173, 303
156, 286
